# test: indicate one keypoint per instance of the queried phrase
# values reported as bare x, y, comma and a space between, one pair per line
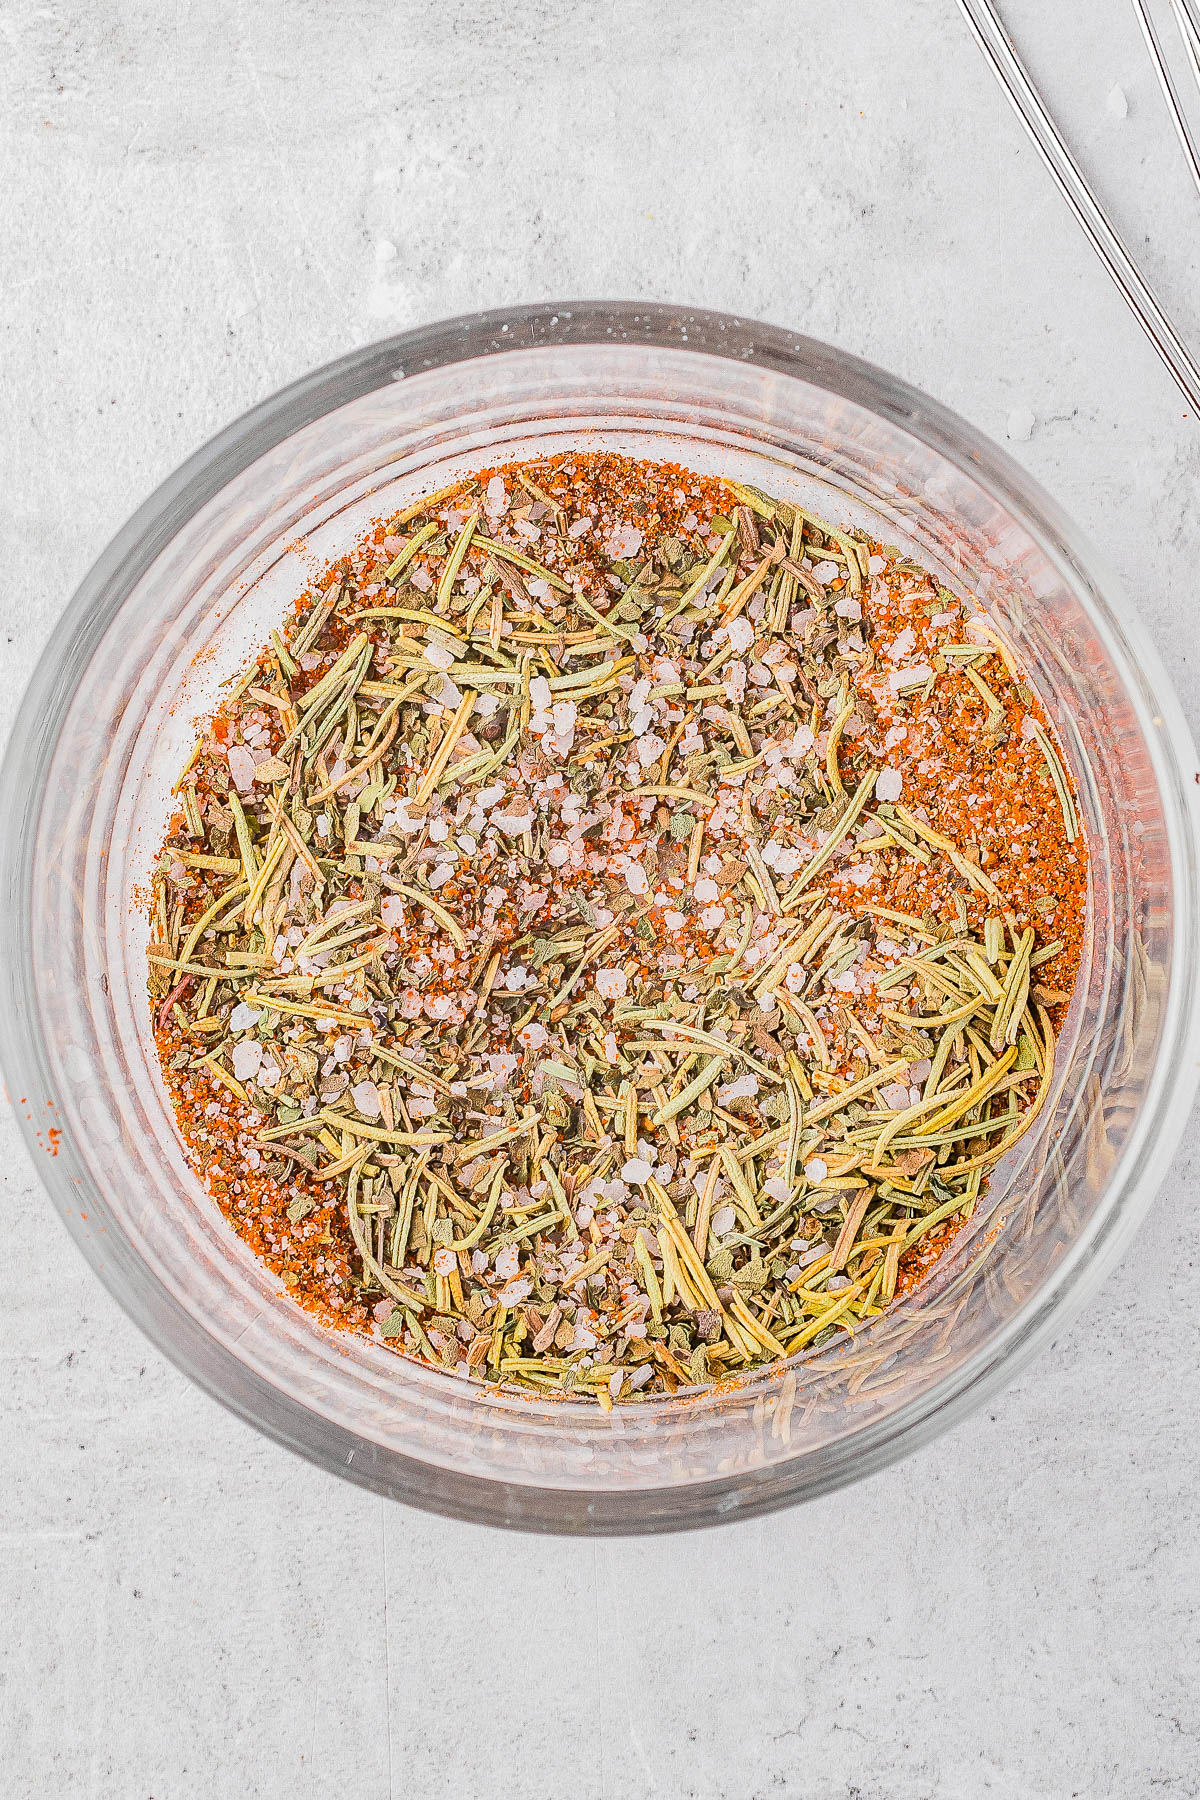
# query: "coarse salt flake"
247, 1056
624, 541
612, 984
241, 768
439, 654
365, 1096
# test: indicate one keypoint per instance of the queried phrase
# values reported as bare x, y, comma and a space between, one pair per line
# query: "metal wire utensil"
1050, 145
1188, 20
1166, 81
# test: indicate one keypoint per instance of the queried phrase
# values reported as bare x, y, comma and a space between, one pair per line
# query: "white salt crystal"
635, 878
514, 818
741, 635
816, 1169
497, 496
744, 1088
625, 541
365, 1096
444, 1261
637, 1170
723, 1220
706, 889
913, 676
611, 984
516, 1291
508, 1261
890, 785
241, 768
243, 1017
247, 1056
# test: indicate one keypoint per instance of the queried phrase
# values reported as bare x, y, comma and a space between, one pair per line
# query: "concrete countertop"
199, 203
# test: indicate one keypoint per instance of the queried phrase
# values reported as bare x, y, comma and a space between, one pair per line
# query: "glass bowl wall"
193, 584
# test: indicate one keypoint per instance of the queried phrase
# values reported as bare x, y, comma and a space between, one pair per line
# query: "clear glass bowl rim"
509, 332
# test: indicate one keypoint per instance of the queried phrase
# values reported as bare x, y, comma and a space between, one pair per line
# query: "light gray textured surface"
198, 203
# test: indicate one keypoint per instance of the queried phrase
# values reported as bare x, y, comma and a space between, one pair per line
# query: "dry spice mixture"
612, 931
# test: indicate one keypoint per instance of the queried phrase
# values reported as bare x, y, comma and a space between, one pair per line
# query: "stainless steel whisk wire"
1048, 141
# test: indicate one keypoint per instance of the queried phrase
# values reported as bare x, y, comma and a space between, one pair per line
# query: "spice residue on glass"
612, 931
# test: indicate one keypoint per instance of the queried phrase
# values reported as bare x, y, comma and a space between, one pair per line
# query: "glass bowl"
193, 583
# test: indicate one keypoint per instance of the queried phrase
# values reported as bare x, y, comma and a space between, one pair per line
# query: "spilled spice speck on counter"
610, 934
